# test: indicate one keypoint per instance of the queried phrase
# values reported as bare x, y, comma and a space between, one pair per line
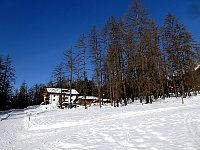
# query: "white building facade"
57, 96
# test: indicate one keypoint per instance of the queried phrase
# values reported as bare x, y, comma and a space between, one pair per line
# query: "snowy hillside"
166, 125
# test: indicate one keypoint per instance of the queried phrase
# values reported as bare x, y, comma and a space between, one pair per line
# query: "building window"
54, 95
53, 99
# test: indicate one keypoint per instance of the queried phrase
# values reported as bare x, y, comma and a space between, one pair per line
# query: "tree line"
20, 98
28, 96
7, 79
132, 58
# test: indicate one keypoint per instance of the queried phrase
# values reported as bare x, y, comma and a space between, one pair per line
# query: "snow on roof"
54, 90
74, 92
105, 100
88, 97
197, 67
58, 90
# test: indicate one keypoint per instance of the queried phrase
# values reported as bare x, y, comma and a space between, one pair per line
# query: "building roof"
58, 91
88, 97
73, 91
197, 67
54, 90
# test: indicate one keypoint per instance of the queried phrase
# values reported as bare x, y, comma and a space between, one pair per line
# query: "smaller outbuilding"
88, 100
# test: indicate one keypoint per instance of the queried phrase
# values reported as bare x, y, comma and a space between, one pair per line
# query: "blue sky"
35, 33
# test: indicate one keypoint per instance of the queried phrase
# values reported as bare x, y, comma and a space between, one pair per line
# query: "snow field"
167, 125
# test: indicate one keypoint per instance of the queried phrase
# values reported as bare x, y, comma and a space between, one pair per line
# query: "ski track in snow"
193, 129
169, 126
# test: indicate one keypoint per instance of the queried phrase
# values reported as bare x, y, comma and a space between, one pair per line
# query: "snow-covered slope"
168, 125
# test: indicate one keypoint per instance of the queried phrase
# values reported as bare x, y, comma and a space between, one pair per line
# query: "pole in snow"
29, 119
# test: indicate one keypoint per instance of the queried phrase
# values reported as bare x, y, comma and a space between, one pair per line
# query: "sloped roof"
58, 91
197, 67
74, 92
67, 91
54, 90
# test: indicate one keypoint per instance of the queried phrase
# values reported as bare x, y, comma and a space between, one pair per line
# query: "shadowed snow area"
166, 125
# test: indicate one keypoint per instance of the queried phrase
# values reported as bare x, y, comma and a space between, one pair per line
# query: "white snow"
88, 97
166, 125
197, 67
59, 90
54, 90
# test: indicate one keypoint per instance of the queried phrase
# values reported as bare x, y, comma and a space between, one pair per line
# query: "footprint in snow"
132, 149
139, 140
155, 133
153, 148
103, 134
107, 138
93, 141
142, 146
126, 144
140, 131
162, 138
146, 137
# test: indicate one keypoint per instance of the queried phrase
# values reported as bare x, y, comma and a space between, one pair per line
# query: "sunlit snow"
166, 125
